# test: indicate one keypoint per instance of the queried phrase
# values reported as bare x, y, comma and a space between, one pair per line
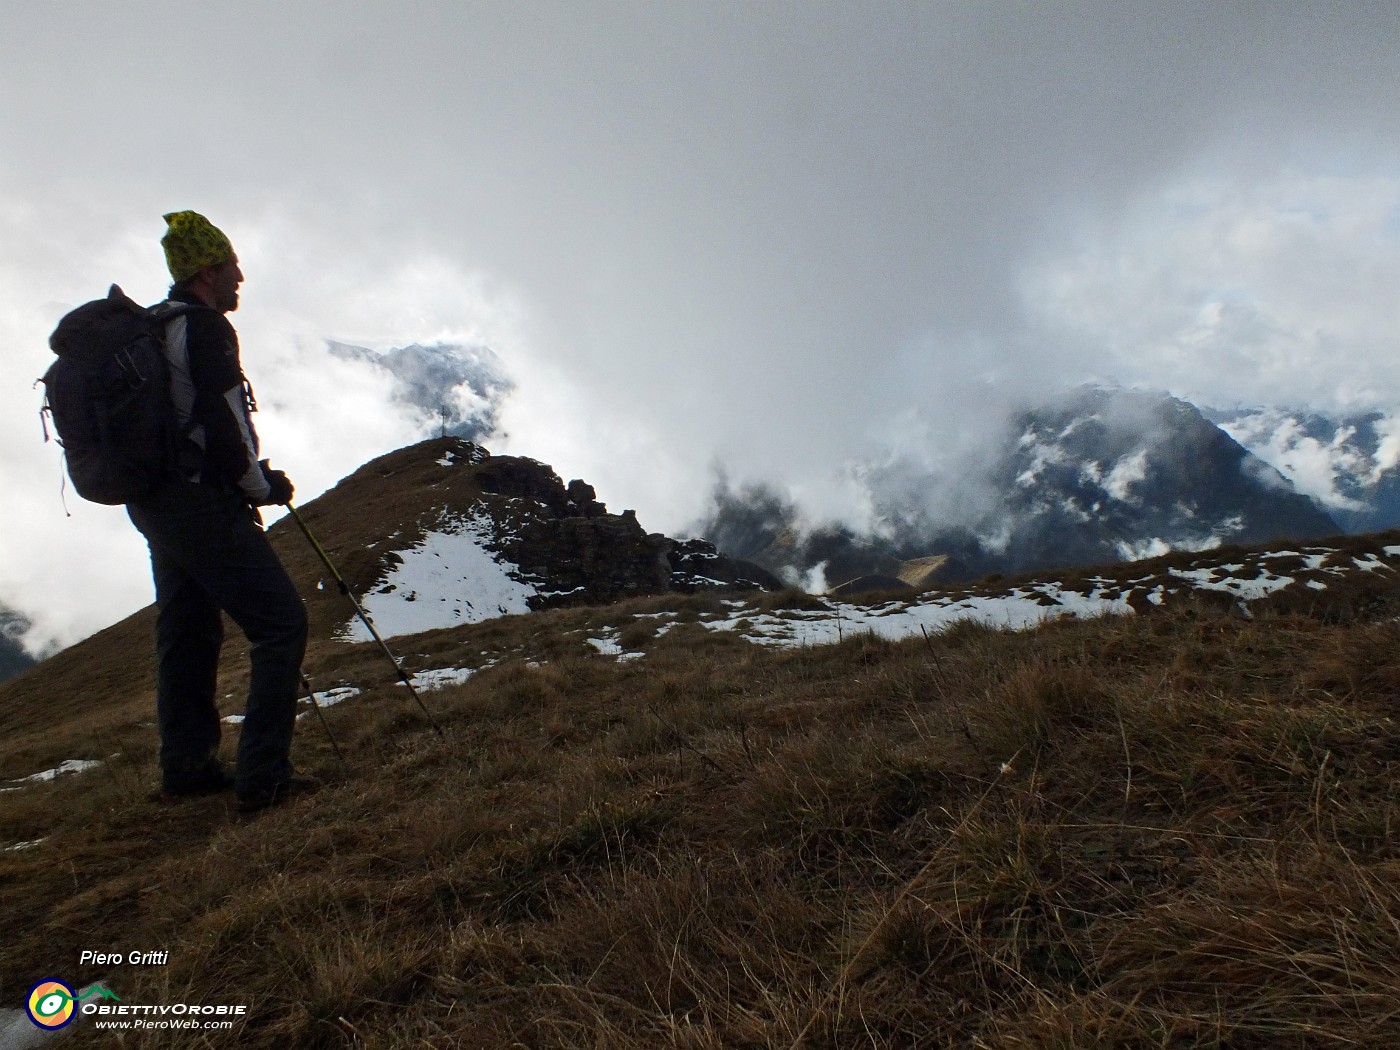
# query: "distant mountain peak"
459, 387
1094, 475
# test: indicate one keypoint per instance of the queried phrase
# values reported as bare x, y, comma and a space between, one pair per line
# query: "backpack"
108, 395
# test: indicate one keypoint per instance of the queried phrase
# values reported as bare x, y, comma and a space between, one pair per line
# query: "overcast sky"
773, 237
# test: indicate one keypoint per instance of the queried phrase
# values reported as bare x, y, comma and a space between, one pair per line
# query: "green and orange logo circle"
51, 1004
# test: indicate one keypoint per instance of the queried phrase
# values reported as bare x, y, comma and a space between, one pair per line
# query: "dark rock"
526, 479
696, 565
583, 496
587, 560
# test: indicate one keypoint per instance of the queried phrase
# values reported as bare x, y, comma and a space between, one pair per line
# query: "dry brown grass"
1166, 831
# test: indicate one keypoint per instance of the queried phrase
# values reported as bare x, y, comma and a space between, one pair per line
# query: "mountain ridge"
1344, 465
1099, 475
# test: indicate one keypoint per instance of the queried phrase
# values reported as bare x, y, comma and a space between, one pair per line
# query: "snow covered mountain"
1097, 476
458, 387
1129, 474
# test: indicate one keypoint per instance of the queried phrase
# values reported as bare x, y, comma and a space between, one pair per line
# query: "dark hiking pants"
207, 555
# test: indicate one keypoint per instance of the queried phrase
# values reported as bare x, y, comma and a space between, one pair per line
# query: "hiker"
208, 549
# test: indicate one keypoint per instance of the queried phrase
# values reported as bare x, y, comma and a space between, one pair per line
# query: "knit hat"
192, 243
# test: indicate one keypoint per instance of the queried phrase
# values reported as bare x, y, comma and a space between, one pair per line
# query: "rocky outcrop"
596, 558
583, 553
696, 566
571, 545
559, 541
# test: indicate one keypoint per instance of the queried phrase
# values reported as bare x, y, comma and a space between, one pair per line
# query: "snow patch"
440, 678
1246, 590
610, 647
1019, 610
72, 765
606, 646
450, 578
338, 695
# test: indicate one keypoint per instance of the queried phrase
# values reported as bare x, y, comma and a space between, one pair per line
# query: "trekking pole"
364, 617
311, 695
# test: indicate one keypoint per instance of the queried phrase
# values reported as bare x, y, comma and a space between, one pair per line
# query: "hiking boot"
208, 779
295, 785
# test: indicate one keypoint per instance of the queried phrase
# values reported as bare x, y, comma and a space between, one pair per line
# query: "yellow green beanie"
191, 243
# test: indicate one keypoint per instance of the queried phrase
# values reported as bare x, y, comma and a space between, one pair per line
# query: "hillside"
1147, 805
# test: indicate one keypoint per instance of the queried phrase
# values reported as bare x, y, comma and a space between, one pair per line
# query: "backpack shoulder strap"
169, 309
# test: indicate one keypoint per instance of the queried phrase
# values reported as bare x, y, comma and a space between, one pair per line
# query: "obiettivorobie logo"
53, 1004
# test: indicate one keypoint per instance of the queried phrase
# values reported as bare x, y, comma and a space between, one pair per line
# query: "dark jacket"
213, 400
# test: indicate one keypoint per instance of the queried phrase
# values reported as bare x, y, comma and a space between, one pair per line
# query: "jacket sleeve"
221, 404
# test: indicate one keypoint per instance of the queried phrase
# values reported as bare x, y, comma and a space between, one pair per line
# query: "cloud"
1228, 292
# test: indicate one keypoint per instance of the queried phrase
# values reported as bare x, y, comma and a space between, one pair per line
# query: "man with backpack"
208, 550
